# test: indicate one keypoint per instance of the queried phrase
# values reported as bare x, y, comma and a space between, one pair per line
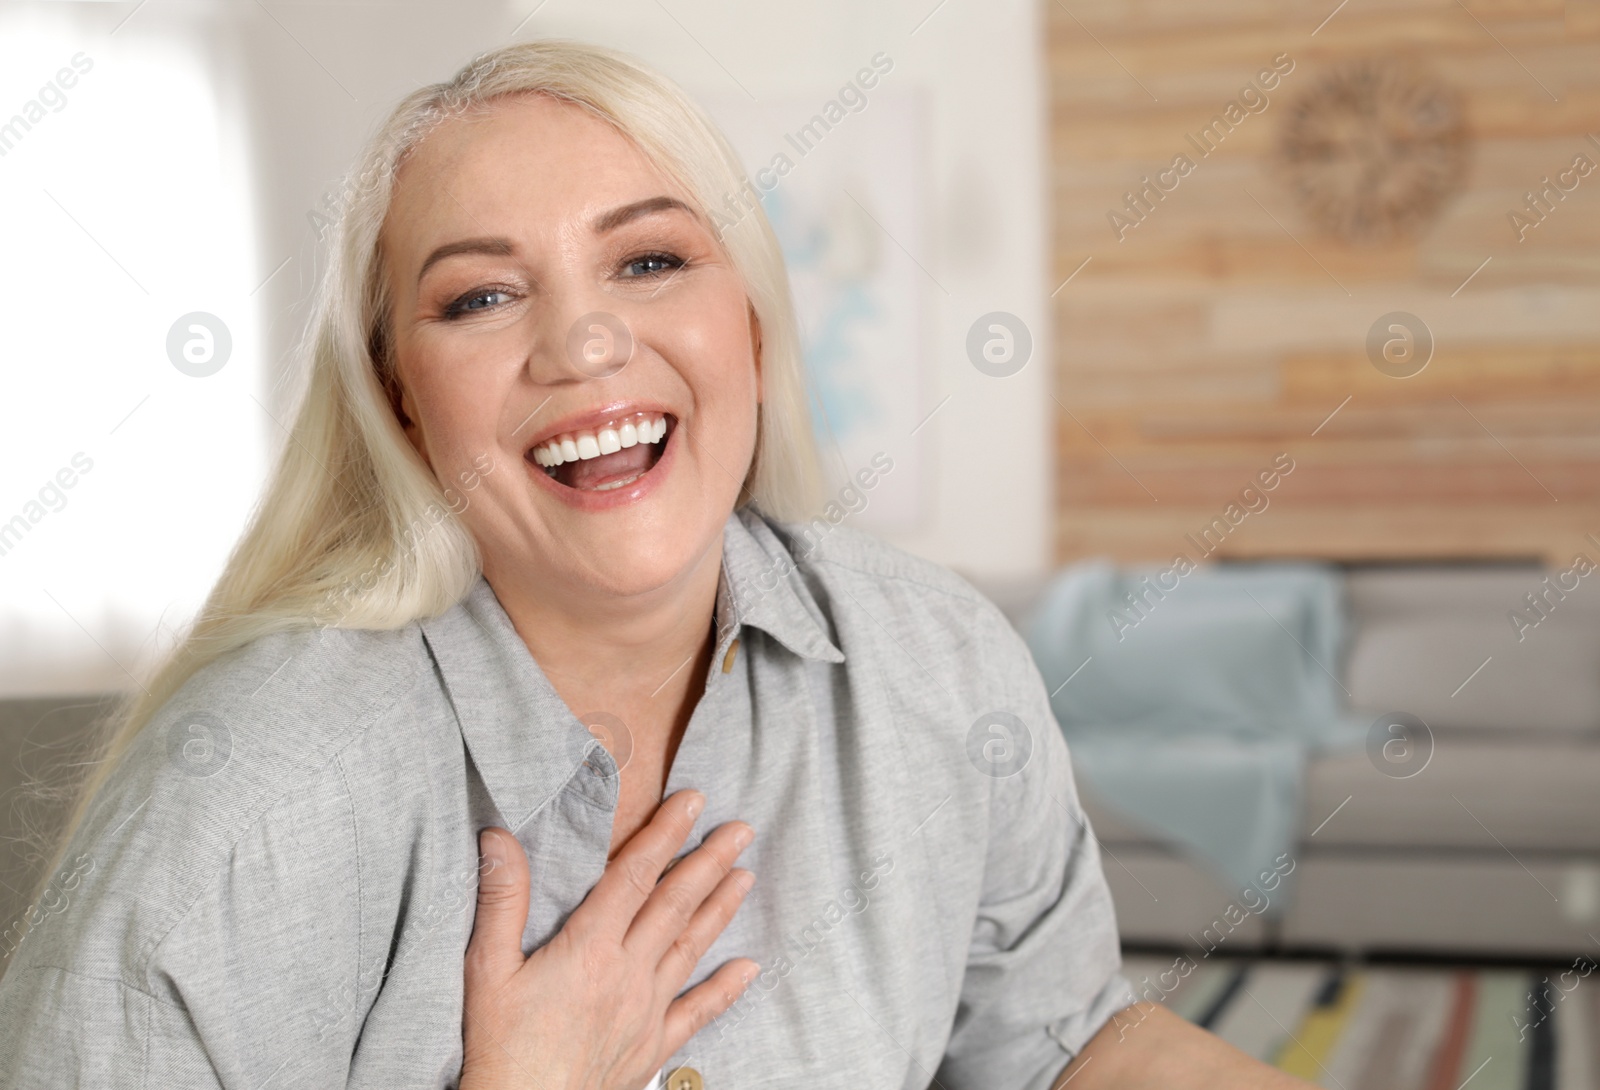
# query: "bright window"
127, 206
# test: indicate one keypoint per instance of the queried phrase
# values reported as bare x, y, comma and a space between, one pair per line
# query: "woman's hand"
594, 1008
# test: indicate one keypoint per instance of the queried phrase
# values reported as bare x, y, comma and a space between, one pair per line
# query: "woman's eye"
476, 300
654, 264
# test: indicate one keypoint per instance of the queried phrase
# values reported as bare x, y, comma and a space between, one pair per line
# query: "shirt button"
685, 1078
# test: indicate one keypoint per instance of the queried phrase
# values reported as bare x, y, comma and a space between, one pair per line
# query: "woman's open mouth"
610, 456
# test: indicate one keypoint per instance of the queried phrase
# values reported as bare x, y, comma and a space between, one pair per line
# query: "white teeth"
606, 439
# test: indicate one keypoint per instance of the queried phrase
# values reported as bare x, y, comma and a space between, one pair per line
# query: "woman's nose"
579, 343
599, 344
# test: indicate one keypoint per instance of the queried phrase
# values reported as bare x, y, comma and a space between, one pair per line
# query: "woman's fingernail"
697, 803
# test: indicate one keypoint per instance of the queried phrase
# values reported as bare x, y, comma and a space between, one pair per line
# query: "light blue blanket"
1195, 699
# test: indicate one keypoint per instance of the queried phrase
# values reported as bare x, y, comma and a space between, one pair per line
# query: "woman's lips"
595, 480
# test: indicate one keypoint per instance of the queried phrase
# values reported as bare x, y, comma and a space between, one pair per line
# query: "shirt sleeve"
1043, 970
260, 978
64, 1028
247, 983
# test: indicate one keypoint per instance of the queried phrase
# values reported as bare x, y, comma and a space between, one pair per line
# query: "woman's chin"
630, 570
622, 534
622, 551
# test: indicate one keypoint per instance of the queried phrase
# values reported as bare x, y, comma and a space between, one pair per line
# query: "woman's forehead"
528, 152
526, 167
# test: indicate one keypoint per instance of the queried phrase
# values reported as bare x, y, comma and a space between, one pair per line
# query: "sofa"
41, 740
1479, 836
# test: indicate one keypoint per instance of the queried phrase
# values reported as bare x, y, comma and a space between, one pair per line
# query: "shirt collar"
525, 742
761, 587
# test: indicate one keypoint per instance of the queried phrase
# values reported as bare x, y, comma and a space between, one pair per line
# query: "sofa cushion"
1419, 635
1501, 795
1515, 795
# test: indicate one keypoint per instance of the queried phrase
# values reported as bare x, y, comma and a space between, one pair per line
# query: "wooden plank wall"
1226, 329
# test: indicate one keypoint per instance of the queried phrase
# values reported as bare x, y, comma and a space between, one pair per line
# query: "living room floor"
1391, 1026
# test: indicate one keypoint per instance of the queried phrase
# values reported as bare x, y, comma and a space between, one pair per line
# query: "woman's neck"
642, 658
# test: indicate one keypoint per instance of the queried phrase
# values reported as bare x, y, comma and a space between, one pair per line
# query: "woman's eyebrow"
499, 247
628, 212
504, 247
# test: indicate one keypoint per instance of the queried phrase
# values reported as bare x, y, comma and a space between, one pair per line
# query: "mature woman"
359, 832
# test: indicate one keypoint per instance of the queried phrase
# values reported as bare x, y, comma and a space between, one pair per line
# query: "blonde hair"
351, 513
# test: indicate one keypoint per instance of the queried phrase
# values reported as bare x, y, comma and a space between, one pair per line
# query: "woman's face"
555, 308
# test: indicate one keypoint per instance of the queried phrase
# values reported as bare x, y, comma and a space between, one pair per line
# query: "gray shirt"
276, 888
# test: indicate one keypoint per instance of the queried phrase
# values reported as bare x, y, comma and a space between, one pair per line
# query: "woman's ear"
405, 413
755, 343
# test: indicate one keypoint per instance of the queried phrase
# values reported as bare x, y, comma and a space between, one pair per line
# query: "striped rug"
1392, 1027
